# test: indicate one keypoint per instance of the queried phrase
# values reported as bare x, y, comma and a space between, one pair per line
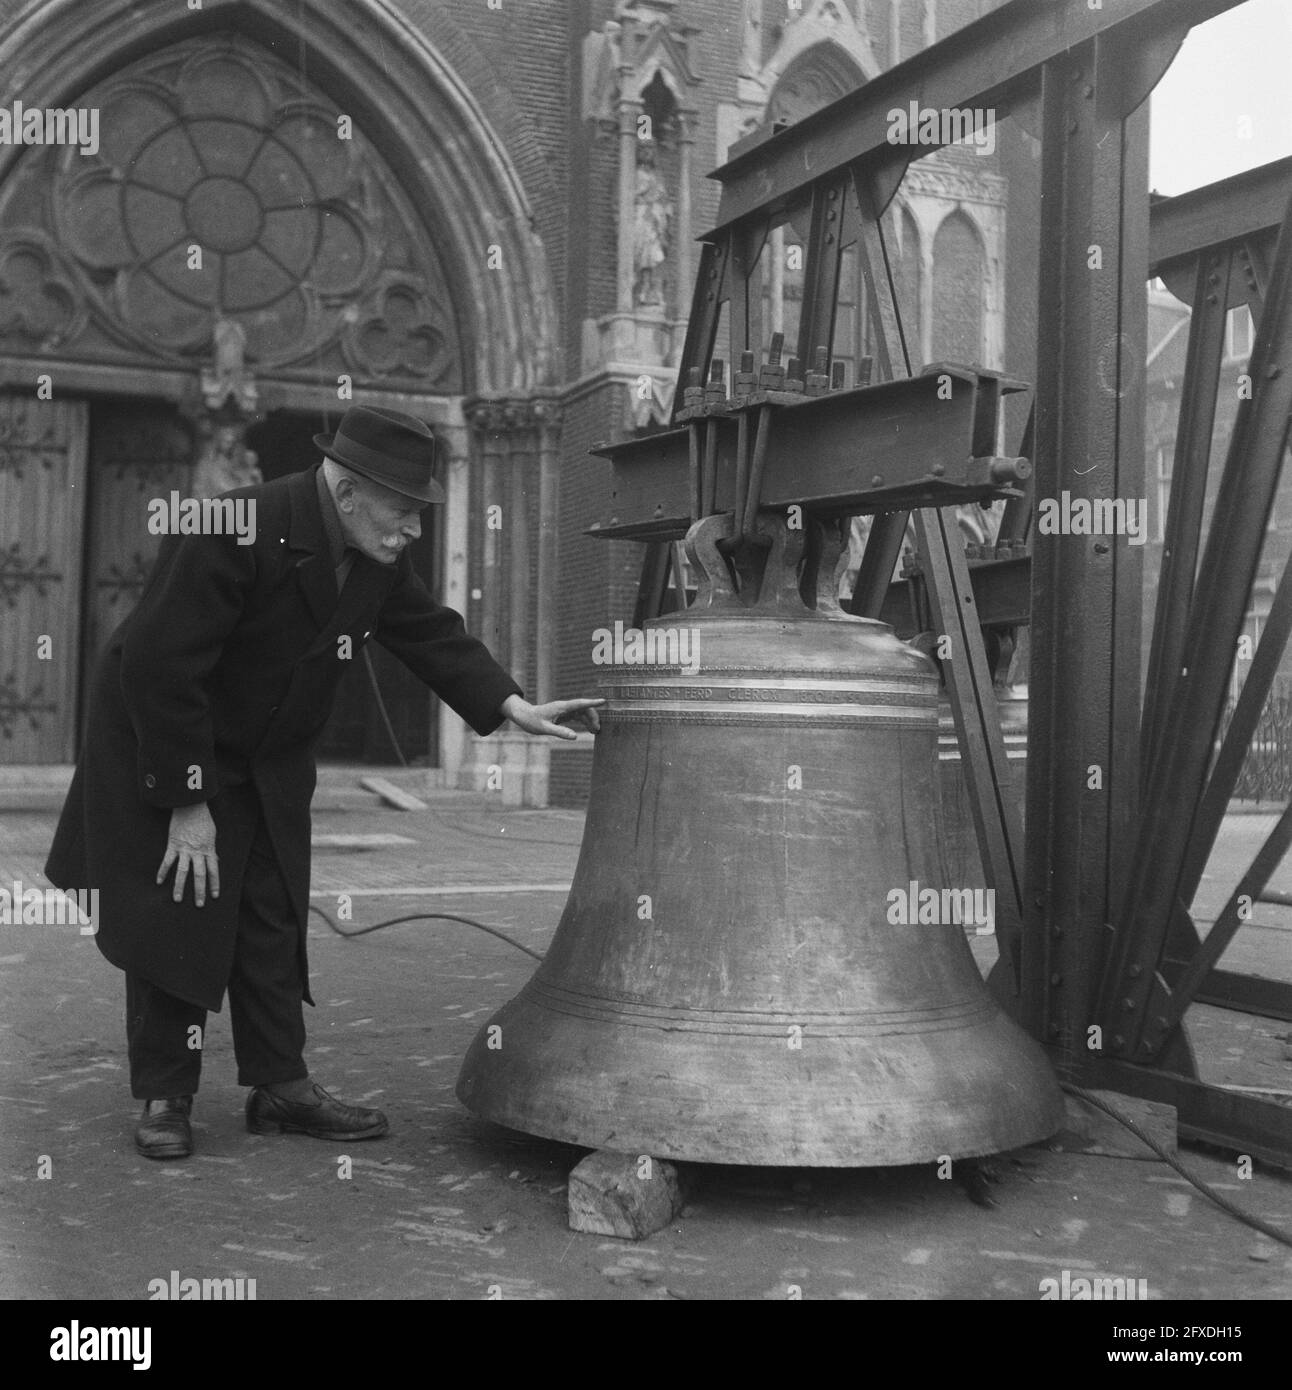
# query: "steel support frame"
1093, 68
1083, 687
1136, 1004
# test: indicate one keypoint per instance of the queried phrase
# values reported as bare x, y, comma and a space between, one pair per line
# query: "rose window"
221, 189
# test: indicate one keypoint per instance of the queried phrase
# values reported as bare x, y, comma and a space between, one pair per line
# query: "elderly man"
189, 810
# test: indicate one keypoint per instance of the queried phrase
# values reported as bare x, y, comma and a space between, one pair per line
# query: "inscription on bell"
736, 692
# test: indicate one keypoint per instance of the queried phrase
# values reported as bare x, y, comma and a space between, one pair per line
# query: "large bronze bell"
726, 985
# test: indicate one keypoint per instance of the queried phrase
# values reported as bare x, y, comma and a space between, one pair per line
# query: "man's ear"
345, 492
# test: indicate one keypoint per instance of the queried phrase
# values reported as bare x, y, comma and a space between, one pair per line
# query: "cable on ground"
1089, 1097
1205, 1188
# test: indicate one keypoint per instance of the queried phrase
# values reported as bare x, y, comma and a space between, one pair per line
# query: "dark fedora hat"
391, 448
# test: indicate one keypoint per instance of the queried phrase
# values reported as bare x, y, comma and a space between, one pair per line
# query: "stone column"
489, 423
520, 469
549, 430
456, 582
686, 124
508, 762
629, 110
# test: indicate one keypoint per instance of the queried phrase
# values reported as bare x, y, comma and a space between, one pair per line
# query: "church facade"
480, 211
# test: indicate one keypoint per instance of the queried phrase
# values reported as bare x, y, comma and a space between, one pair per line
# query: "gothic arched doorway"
328, 207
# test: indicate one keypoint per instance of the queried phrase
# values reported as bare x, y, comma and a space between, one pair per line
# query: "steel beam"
1188, 491
874, 448
1133, 992
999, 593
977, 719
1249, 204
991, 64
1084, 680
1205, 1114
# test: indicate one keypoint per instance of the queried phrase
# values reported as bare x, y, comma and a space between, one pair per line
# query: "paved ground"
449, 1207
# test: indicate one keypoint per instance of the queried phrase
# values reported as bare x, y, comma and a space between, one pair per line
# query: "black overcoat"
216, 688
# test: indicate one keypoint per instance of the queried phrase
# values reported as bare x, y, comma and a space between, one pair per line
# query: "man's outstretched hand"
551, 717
191, 845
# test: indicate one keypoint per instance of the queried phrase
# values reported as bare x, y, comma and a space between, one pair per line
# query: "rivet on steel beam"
1135, 971
1274, 372
1128, 1003
1056, 979
1088, 90
877, 480
1118, 1040
1162, 1021
1038, 900
1101, 547
938, 469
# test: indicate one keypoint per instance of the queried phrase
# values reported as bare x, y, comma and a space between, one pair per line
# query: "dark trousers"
266, 992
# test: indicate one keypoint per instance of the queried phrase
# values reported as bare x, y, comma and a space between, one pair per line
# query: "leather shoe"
324, 1118
163, 1130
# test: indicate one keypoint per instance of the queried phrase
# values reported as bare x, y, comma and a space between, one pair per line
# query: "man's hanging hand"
191, 845
551, 717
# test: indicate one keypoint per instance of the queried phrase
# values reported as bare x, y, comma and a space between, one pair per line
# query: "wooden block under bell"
626, 1195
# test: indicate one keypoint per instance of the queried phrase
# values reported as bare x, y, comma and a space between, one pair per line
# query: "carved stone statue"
751, 57
225, 462
229, 377
652, 224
